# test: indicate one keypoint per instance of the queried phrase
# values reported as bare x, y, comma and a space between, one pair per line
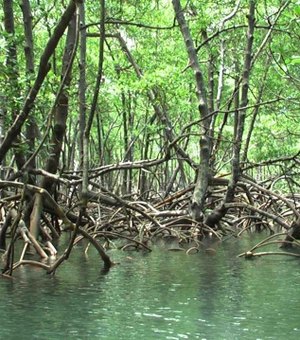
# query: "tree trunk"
82, 80
89, 121
12, 67
61, 113
44, 68
204, 171
31, 127
214, 218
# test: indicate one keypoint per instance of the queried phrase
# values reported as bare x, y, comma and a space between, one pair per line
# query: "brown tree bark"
31, 127
60, 117
12, 70
62, 108
214, 218
204, 171
82, 81
89, 121
44, 68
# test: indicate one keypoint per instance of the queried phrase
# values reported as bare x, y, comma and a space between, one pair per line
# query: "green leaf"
295, 60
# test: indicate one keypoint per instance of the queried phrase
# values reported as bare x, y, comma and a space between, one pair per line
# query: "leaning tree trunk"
61, 111
44, 68
255, 112
60, 117
204, 171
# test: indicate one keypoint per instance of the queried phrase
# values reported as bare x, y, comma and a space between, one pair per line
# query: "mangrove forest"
128, 123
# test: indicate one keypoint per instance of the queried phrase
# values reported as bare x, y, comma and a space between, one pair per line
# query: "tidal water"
158, 295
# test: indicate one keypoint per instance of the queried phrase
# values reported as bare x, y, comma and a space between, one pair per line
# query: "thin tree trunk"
214, 218
220, 87
12, 70
88, 123
82, 80
244, 97
28, 47
44, 68
255, 112
2, 129
31, 127
61, 111
204, 171
60, 118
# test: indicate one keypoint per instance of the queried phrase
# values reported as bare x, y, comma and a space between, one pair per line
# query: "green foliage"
156, 45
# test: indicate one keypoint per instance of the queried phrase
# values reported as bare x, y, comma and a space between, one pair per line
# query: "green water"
162, 295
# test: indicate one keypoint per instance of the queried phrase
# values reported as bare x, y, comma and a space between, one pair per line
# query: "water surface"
159, 295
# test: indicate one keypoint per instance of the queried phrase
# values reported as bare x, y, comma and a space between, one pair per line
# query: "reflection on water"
162, 295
